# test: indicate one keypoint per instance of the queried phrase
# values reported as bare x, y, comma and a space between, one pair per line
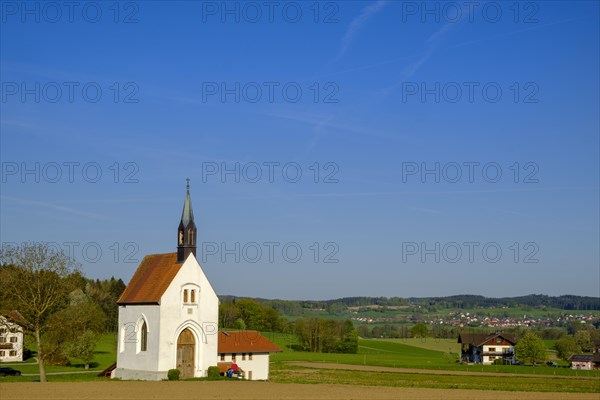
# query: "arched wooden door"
185, 353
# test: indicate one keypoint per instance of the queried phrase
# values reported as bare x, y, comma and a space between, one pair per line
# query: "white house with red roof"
168, 318
11, 338
249, 350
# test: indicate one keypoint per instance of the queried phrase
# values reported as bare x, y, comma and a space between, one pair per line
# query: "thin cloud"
357, 24
45, 204
320, 124
432, 43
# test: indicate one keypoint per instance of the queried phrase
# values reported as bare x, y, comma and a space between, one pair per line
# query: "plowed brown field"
116, 390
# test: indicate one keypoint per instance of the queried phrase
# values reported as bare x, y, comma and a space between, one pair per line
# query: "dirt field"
116, 390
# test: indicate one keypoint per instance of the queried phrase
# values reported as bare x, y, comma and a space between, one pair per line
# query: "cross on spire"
188, 183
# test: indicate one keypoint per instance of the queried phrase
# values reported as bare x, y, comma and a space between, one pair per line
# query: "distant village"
472, 319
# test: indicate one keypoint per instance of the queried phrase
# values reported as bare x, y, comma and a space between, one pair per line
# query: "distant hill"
565, 302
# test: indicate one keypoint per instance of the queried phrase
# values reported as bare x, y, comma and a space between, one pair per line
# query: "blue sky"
369, 94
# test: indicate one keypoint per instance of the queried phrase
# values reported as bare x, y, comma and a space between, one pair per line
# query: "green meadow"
443, 345
409, 353
284, 373
426, 354
105, 355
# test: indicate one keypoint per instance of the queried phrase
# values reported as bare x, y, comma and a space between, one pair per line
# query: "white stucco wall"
499, 349
581, 365
12, 331
132, 363
165, 322
259, 365
201, 318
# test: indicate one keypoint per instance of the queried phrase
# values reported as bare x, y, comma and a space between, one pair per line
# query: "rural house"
168, 318
486, 348
249, 350
581, 361
11, 339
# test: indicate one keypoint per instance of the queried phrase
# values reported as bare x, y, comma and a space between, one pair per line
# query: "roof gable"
245, 342
581, 357
151, 279
479, 339
12, 319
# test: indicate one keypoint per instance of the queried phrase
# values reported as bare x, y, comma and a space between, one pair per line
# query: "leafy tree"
531, 349
419, 331
349, 340
551, 333
253, 314
229, 313
594, 332
327, 336
105, 293
310, 333
566, 346
573, 327
37, 278
364, 331
336, 308
239, 324
74, 329
584, 341
82, 347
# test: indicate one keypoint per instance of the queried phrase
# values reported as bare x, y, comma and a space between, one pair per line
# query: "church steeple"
186, 233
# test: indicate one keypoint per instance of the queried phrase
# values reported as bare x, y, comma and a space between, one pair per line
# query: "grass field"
424, 355
443, 345
105, 355
284, 373
414, 353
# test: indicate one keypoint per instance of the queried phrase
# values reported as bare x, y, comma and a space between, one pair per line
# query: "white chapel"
168, 318
168, 313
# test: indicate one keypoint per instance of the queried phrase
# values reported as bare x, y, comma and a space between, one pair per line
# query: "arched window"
144, 337
185, 296
193, 296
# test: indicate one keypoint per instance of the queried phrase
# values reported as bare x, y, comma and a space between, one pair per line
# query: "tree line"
45, 293
314, 334
566, 302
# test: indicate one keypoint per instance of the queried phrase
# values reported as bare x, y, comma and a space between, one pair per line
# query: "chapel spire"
186, 233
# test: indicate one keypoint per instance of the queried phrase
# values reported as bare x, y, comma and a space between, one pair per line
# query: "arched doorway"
185, 353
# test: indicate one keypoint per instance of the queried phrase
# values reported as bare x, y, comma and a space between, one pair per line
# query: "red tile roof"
12, 316
245, 342
151, 279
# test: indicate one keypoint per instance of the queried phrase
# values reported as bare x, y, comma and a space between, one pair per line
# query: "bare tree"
36, 281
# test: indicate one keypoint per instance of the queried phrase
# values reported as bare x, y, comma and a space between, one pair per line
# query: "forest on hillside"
566, 302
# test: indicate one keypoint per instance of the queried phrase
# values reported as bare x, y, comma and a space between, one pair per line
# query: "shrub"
213, 372
173, 374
